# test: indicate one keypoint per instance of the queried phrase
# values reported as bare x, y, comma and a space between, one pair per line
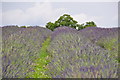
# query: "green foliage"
41, 62
80, 26
50, 26
29, 26
23, 26
90, 24
67, 20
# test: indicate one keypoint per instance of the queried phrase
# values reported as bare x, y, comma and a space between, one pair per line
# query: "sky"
104, 14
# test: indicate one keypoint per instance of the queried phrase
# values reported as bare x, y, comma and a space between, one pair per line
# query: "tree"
67, 20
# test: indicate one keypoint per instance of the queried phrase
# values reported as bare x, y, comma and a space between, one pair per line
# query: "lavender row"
20, 51
75, 56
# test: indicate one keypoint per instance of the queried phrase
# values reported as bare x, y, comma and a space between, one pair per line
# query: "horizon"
34, 26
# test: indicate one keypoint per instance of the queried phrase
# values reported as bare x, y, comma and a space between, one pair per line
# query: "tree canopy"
67, 20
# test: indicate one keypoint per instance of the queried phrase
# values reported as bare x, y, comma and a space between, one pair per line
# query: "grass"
41, 62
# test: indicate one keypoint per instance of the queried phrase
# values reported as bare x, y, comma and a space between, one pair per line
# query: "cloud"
82, 18
115, 18
39, 13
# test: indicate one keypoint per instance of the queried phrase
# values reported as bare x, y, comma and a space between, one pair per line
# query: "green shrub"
23, 26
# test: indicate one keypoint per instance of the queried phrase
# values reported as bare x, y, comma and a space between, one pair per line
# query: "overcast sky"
104, 14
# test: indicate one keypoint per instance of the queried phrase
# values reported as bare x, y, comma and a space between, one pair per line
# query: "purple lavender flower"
92, 68
84, 69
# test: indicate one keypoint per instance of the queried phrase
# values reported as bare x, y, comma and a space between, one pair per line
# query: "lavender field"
38, 52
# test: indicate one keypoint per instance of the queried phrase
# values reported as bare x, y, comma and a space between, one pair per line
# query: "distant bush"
67, 20
88, 24
23, 26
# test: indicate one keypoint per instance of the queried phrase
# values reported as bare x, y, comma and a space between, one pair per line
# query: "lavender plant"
87, 53
20, 50
73, 55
